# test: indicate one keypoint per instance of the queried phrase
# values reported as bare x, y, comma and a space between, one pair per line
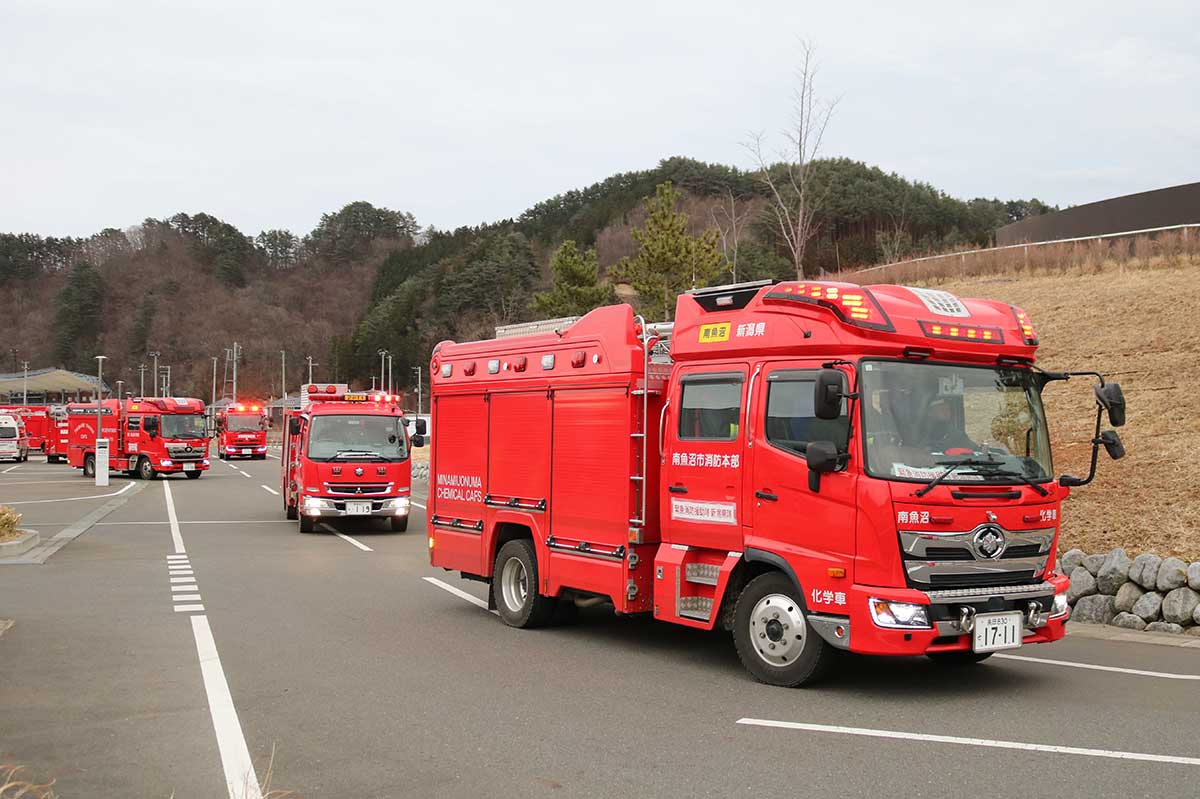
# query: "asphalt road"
350, 674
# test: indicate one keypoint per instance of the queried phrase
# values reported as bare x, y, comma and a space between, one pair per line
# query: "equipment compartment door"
519, 451
702, 458
458, 482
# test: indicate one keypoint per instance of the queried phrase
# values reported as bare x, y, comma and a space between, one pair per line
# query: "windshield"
182, 426
8, 432
245, 423
350, 437
920, 418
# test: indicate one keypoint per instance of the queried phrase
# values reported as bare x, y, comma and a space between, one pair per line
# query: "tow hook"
1034, 615
966, 618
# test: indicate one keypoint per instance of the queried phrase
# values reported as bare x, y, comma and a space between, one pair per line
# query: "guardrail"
964, 253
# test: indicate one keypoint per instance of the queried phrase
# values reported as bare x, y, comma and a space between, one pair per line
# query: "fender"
496, 517
754, 555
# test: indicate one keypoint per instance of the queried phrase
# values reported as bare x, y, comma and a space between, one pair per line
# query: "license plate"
358, 508
189, 467
996, 631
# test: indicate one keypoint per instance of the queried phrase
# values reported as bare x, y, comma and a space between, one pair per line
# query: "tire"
145, 469
514, 586
399, 524
958, 659
193, 475
308, 524
290, 512
89, 466
774, 640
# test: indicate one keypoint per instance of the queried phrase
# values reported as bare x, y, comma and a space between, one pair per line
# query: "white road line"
189, 608
984, 742
1166, 675
345, 537
173, 519
269, 455
268, 488
181, 556
418, 504
72, 499
180, 572
122, 524
191, 580
235, 756
458, 592
243, 474
10, 468
36, 482
186, 598
191, 587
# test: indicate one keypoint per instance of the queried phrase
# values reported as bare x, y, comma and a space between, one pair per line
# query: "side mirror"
294, 426
418, 440
422, 427
1112, 444
827, 402
1112, 399
822, 457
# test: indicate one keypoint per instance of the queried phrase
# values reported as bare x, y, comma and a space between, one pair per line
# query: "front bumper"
336, 507
168, 466
245, 449
944, 610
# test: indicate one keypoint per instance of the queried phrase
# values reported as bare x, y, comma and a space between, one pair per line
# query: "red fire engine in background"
147, 436
37, 422
14, 440
57, 440
814, 466
242, 431
346, 454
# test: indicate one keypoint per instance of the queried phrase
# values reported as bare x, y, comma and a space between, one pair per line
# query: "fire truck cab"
147, 436
814, 466
14, 440
346, 454
242, 431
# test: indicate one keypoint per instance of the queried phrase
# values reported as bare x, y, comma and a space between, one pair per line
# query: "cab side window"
710, 407
134, 424
791, 423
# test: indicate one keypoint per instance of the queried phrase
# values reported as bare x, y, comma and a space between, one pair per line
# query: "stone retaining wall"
1143, 593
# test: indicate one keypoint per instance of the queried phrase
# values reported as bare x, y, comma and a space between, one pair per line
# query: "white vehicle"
14, 441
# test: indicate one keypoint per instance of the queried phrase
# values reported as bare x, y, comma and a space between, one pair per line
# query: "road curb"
1101, 632
38, 555
18, 547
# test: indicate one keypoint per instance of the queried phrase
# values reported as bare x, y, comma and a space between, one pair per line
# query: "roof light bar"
853, 304
1025, 325
981, 333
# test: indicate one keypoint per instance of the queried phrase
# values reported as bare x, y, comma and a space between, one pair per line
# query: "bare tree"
730, 221
795, 201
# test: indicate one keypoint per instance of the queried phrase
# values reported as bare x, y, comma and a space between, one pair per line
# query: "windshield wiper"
1022, 477
937, 481
994, 468
354, 453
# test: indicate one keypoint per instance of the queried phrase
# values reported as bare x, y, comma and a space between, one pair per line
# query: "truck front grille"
357, 489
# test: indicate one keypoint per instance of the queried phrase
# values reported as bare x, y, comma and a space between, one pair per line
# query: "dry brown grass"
13, 785
9, 521
1135, 319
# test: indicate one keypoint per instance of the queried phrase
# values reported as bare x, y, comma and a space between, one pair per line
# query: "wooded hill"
368, 277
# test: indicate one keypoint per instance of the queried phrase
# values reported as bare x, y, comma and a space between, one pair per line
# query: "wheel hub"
778, 629
514, 584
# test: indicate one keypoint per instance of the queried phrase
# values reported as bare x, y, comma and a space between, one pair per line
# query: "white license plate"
189, 467
358, 508
996, 631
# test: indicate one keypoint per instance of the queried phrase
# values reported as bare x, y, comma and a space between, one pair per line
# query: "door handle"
767, 495
677, 489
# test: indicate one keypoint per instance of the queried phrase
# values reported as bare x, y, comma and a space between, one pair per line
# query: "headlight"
399, 505
1060, 606
898, 615
165, 462
317, 503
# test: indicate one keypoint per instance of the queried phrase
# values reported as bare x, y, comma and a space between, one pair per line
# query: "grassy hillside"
1133, 318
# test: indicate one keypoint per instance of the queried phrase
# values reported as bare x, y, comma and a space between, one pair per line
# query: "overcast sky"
268, 115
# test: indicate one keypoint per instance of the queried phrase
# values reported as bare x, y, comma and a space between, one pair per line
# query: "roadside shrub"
9, 519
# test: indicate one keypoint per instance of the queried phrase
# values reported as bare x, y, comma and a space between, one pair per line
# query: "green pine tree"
670, 260
575, 289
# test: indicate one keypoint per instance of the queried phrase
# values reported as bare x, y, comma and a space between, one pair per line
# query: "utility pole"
390, 386
214, 383
99, 393
382, 353
417, 369
141, 379
283, 375
25, 390
155, 355
237, 353
310, 366
120, 389
166, 381
373, 378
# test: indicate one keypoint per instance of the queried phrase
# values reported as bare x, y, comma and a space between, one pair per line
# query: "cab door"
814, 530
703, 449
133, 436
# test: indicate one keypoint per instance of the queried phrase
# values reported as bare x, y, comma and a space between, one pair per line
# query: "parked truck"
57, 441
813, 466
36, 419
14, 440
148, 436
242, 431
346, 455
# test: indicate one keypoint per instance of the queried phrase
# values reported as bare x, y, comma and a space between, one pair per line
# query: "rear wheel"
960, 658
145, 470
89, 466
515, 586
399, 524
774, 640
308, 524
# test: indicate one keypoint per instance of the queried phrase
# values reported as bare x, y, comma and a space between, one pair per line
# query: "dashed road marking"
182, 579
1165, 675
189, 608
458, 592
191, 587
982, 742
417, 504
345, 537
268, 488
173, 519
186, 598
243, 474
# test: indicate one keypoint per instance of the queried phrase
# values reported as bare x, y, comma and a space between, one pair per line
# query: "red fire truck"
147, 436
37, 421
14, 440
242, 431
346, 454
57, 437
814, 466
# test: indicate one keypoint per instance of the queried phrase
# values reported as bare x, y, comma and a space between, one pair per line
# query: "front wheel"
145, 469
774, 640
193, 475
958, 658
308, 524
515, 586
399, 524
